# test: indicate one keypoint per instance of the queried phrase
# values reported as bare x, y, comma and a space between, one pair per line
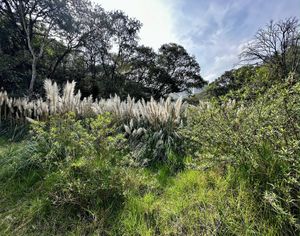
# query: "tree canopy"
100, 50
277, 45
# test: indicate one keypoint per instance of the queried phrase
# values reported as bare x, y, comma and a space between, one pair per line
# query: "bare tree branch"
276, 45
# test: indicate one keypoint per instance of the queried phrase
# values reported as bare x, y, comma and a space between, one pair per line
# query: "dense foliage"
238, 174
259, 142
77, 40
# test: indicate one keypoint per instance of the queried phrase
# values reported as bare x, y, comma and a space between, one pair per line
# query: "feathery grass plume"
68, 96
140, 114
52, 95
150, 125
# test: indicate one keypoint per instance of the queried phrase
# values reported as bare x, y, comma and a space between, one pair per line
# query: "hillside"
101, 135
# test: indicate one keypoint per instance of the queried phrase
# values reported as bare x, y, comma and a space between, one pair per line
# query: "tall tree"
177, 71
277, 45
109, 48
74, 34
36, 20
171, 70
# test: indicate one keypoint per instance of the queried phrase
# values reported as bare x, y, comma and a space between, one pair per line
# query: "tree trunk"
53, 68
33, 75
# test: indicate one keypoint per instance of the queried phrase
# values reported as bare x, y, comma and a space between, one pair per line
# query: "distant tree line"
76, 40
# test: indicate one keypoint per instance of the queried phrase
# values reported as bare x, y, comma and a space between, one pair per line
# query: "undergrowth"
237, 174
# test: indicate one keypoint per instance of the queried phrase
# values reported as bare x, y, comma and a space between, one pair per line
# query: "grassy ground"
4, 145
191, 202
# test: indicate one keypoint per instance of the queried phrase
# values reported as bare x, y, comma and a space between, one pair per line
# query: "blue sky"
214, 31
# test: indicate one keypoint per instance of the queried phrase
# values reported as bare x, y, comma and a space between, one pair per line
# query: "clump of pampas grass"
147, 124
155, 113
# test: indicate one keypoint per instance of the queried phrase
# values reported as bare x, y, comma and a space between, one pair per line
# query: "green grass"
194, 203
4, 145
17, 197
35, 201
152, 202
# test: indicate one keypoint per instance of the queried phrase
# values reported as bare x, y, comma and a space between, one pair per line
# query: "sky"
214, 31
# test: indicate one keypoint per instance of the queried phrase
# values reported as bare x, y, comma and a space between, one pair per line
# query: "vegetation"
75, 40
76, 161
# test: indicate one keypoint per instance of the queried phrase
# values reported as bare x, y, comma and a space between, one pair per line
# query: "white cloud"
155, 15
212, 36
165, 21
214, 31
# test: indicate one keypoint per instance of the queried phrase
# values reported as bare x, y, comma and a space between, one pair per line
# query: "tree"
171, 70
36, 20
140, 72
14, 58
176, 70
277, 45
73, 35
109, 48
232, 80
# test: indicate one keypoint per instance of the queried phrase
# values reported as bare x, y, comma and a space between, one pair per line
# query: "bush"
67, 172
260, 141
65, 138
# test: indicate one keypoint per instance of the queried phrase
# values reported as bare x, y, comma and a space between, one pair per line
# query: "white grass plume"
140, 113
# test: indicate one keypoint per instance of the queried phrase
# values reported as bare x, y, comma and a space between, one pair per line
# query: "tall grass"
150, 125
156, 113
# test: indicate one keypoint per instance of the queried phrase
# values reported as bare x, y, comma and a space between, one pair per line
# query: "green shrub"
65, 138
66, 174
260, 140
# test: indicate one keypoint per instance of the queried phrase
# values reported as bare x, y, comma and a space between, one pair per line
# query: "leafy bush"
260, 141
62, 138
68, 171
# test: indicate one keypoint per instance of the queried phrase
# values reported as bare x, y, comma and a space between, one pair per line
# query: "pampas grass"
158, 114
150, 126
